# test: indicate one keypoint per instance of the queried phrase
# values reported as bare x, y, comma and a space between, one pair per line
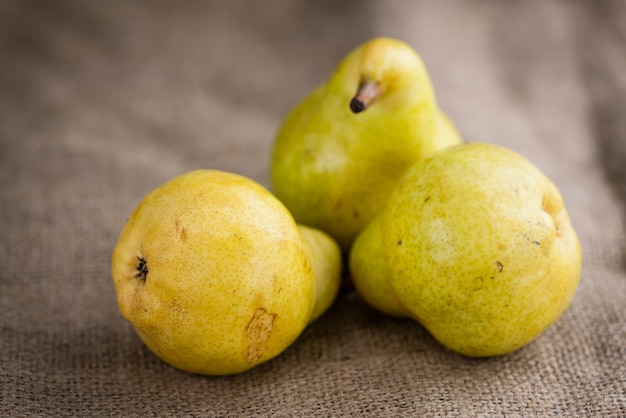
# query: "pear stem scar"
142, 269
367, 94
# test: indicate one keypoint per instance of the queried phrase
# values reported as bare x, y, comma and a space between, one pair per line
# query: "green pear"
340, 151
324, 256
476, 245
216, 277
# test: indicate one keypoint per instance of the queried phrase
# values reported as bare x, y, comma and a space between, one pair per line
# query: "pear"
340, 152
216, 277
476, 245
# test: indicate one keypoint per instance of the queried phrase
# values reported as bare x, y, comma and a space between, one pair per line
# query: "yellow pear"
476, 245
216, 277
340, 151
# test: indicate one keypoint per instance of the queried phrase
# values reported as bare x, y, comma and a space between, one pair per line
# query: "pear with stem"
340, 152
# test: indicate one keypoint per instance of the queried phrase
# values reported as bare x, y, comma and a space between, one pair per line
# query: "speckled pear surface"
341, 150
476, 245
213, 274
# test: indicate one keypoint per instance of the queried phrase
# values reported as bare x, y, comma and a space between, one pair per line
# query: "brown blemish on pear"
183, 232
258, 333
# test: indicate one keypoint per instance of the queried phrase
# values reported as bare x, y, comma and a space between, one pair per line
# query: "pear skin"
340, 152
367, 264
324, 256
477, 246
212, 272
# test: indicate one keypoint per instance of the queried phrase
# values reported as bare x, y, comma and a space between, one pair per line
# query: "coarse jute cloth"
100, 102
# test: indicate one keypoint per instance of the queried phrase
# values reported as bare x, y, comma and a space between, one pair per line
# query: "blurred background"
162, 81
100, 102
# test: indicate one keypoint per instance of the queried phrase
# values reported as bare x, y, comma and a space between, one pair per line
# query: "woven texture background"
100, 102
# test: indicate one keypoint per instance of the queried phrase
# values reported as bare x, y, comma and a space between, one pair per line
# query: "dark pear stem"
367, 94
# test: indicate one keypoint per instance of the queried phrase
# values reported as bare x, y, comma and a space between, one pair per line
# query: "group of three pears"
217, 274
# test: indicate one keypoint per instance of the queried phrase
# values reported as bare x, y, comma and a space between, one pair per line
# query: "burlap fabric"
100, 102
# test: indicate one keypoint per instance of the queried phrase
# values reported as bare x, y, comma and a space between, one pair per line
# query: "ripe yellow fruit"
212, 272
476, 245
342, 149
